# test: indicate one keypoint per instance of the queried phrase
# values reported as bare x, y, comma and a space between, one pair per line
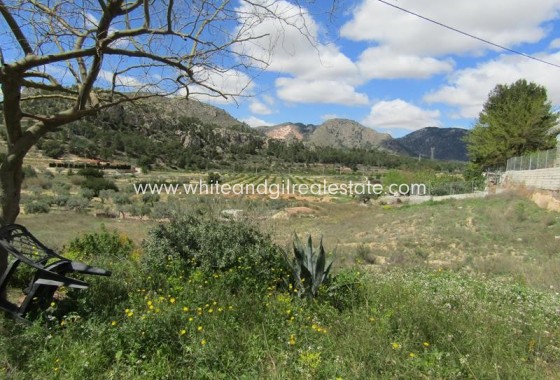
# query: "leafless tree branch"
15, 28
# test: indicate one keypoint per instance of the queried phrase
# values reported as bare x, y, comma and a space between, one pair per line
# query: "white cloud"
468, 89
259, 108
269, 100
504, 22
231, 83
293, 48
398, 114
129, 82
255, 122
319, 91
385, 63
554, 44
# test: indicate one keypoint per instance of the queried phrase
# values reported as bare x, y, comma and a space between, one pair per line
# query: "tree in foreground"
81, 57
516, 119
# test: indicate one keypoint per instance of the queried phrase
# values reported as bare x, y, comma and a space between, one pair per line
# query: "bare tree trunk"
11, 174
11, 177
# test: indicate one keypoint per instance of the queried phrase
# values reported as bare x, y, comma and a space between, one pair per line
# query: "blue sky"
397, 73
363, 60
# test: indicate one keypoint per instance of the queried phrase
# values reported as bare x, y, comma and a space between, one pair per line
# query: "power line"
470, 35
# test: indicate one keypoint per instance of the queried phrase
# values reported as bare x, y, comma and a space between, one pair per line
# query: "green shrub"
29, 172
103, 243
60, 200
52, 148
150, 198
61, 188
212, 246
213, 178
122, 199
106, 195
97, 184
37, 207
77, 204
87, 193
347, 290
91, 172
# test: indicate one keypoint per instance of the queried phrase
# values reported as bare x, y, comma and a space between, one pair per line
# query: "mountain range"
192, 129
429, 142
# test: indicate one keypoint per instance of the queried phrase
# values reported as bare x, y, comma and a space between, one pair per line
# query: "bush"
60, 200
150, 198
87, 193
213, 246
122, 199
43, 182
213, 178
61, 188
37, 207
91, 172
97, 184
106, 194
77, 204
104, 243
29, 172
52, 149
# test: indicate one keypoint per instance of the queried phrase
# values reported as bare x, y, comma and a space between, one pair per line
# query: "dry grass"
502, 235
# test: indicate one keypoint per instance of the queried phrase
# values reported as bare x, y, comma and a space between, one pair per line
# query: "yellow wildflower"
292, 339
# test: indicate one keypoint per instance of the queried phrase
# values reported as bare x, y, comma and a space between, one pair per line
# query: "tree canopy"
517, 118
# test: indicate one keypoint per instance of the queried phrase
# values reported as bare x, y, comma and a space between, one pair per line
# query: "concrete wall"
545, 179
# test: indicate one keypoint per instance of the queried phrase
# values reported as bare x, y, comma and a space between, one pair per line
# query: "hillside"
343, 133
165, 131
180, 133
334, 133
287, 131
448, 143
169, 111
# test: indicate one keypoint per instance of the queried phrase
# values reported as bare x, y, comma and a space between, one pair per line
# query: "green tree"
516, 119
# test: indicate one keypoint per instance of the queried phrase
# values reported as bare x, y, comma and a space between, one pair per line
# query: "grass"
449, 290
399, 324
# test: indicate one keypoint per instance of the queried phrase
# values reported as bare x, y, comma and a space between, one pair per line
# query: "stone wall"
543, 179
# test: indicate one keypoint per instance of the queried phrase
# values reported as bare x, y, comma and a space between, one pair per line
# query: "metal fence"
538, 160
454, 188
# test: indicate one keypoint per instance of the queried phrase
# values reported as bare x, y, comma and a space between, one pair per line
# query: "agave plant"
309, 267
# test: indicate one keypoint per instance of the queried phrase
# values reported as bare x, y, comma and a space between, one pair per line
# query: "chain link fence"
538, 160
454, 188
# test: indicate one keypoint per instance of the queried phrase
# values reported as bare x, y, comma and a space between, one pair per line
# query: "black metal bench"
49, 271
